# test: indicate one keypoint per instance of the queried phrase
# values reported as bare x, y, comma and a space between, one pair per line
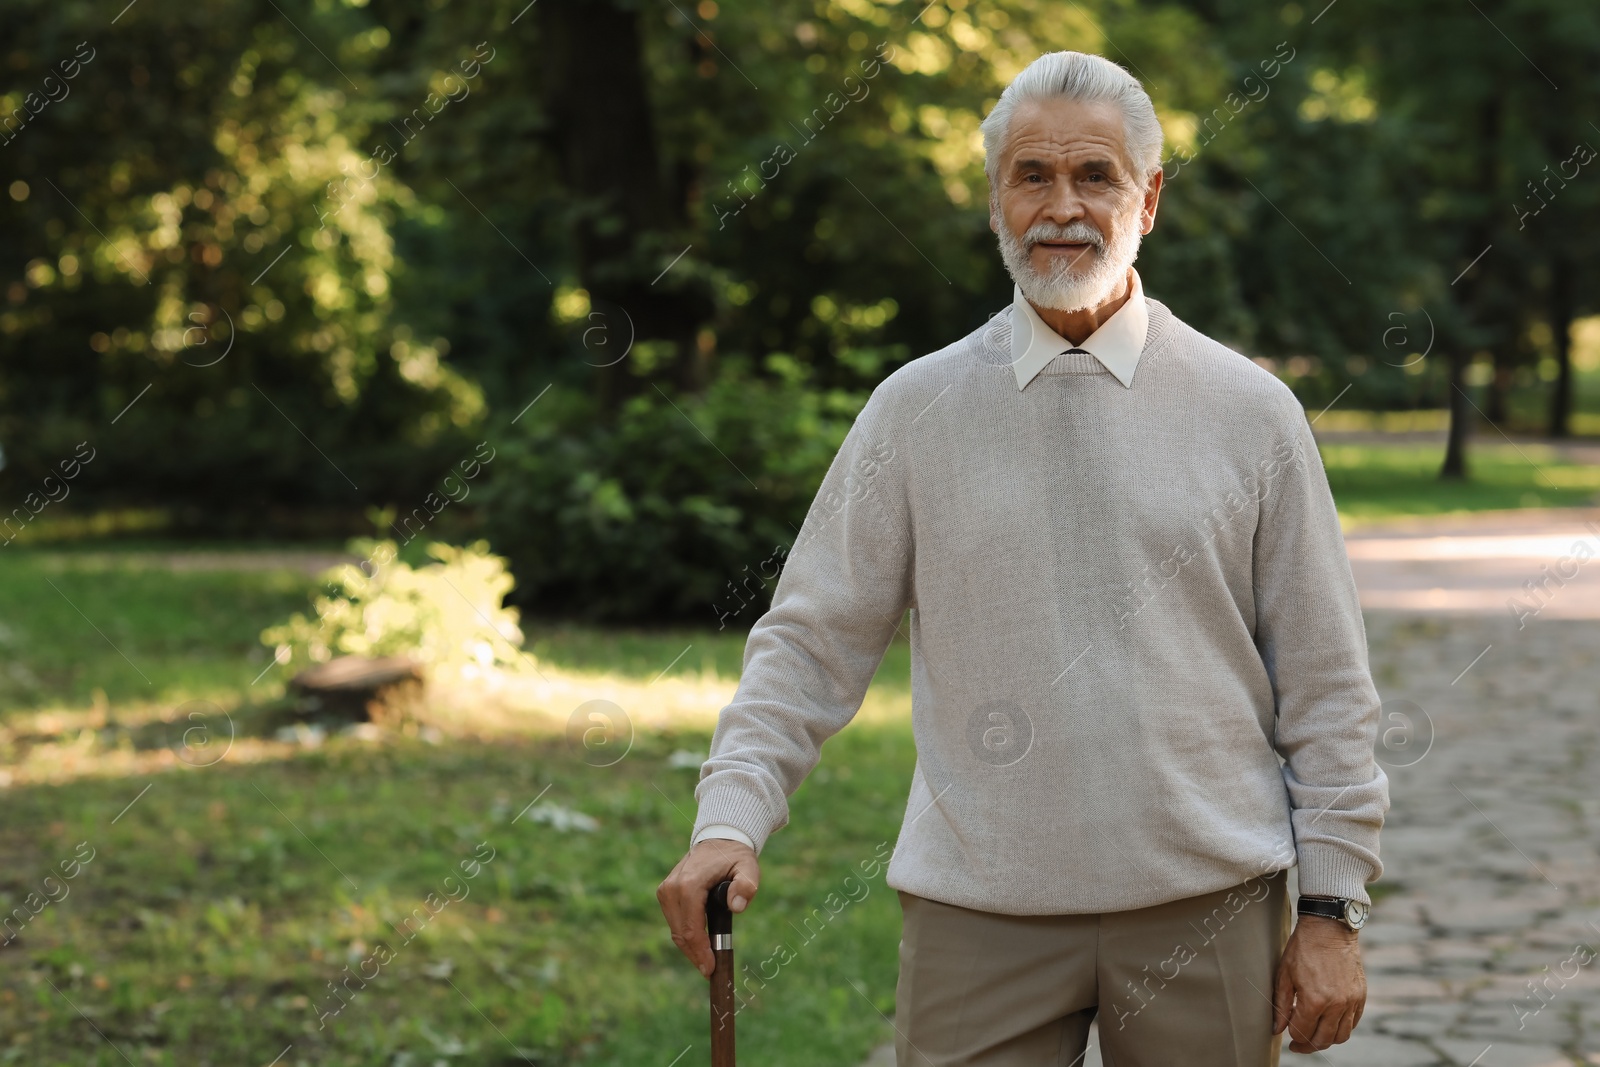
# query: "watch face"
1355, 914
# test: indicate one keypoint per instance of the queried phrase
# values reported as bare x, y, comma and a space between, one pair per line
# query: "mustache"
1076, 232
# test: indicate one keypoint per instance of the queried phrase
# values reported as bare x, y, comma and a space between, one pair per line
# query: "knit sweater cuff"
731, 805
1330, 871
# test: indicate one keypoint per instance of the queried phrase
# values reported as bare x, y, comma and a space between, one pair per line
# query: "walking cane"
719, 924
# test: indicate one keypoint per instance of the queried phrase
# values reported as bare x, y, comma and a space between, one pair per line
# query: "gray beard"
1067, 288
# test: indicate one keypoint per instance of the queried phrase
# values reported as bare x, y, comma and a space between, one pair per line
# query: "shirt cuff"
724, 832
737, 805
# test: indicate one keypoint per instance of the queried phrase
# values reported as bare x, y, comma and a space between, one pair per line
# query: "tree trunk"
1561, 299
629, 226
1455, 453
1455, 450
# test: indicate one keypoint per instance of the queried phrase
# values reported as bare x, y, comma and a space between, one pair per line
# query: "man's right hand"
683, 893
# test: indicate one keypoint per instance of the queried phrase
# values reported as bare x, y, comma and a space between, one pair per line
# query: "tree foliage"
291, 257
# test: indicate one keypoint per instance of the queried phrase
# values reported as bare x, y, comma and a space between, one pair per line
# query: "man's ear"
1152, 196
994, 213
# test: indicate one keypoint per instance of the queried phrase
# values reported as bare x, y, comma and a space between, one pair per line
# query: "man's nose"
1064, 204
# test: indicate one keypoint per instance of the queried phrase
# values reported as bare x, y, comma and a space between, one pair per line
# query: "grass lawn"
223, 901
64, 614
1374, 482
219, 911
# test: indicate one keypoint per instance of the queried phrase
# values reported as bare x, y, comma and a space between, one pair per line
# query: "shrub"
653, 515
448, 614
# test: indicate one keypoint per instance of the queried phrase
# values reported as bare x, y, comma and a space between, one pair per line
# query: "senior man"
1140, 689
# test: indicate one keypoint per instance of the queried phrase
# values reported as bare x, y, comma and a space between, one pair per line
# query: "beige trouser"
1182, 984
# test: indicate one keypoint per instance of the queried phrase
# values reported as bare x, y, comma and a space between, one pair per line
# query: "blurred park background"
514, 338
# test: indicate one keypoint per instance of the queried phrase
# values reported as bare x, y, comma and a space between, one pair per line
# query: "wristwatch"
1353, 913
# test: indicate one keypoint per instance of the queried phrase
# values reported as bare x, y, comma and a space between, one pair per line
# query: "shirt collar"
1117, 342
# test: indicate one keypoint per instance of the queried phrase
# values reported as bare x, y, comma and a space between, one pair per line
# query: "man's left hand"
1322, 987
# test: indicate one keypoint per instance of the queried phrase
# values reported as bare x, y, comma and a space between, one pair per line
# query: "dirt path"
1481, 564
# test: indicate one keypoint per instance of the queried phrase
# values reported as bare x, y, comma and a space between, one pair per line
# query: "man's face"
1069, 207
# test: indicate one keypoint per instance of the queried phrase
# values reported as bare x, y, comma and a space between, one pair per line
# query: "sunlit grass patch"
1372, 482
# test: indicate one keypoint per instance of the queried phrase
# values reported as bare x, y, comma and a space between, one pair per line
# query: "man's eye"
1034, 178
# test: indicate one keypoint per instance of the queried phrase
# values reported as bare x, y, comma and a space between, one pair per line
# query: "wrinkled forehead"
1063, 133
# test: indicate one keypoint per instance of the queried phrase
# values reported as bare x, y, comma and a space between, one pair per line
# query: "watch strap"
1328, 909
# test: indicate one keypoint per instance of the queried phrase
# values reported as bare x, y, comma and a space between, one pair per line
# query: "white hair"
1078, 76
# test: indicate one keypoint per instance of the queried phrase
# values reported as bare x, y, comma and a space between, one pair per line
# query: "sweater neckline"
995, 339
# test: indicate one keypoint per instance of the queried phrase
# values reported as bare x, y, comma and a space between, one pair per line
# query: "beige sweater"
1138, 663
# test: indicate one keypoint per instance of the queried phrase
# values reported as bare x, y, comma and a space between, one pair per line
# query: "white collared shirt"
1116, 343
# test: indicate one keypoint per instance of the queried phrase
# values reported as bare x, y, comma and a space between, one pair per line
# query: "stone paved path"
1491, 739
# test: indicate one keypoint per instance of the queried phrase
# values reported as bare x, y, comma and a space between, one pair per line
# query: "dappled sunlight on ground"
61, 745
542, 699
547, 700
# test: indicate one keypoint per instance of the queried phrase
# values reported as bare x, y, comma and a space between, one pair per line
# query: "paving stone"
1091, 1056
882, 1056
1377, 934
1504, 1054
1396, 991
1394, 956
1370, 1050
1419, 1021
